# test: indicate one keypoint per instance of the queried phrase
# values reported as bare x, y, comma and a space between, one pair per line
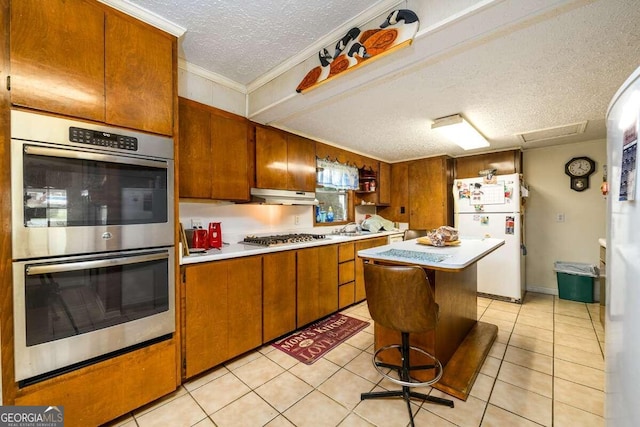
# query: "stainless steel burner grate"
282, 239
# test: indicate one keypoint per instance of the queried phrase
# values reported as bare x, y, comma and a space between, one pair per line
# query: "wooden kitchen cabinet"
360, 293
301, 163
96, 394
284, 161
139, 84
379, 175
223, 311
384, 184
214, 153
279, 294
346, 274
398, 209
57, 57
89, 61
317, 294
430, 192
505, 162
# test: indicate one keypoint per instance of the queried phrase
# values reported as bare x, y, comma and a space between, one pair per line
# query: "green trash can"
575, 280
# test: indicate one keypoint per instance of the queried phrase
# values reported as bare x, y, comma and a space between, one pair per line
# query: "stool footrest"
405, 380
412, 368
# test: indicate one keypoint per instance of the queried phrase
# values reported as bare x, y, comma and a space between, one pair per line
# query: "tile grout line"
495, 380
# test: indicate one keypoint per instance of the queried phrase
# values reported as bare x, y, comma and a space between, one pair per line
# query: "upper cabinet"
284, 161
57, 57
80, 59
301, 163
504, 162
430, 195
214, 153
384, 184
375, 184
138, 76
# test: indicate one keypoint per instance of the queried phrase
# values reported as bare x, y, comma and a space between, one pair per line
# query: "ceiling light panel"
459, 131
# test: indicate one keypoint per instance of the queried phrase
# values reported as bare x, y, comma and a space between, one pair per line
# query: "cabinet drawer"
346, 295
346, 272
346, 252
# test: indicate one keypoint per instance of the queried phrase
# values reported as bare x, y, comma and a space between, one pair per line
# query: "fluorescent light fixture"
459, 131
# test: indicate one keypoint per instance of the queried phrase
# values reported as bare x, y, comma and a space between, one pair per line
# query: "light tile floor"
545, 368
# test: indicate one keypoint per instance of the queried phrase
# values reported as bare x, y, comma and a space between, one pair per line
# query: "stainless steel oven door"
70, 310
67, 200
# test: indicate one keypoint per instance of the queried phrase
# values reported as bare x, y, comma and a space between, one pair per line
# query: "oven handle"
83, 155
34, 270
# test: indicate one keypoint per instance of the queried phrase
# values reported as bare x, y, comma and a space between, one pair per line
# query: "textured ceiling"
558, 71
242, 40
559, 67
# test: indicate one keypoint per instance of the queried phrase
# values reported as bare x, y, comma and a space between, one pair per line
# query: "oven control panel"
104, 139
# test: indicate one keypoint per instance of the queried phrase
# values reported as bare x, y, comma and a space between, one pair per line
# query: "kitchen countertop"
238, 249
450, 258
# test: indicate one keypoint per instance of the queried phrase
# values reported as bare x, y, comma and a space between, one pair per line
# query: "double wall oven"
92, 242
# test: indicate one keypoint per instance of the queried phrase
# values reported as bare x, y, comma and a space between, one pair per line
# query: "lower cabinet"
346, 275
279, 294
317, 283
360, 293
233, 306
98, 393
223, 311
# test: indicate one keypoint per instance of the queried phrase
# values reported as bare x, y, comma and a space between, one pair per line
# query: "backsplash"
239, 220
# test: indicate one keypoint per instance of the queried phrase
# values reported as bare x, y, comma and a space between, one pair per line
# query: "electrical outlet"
560, 217
296, 219
196, 223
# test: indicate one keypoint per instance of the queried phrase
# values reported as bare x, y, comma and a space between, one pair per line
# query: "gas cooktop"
282, 239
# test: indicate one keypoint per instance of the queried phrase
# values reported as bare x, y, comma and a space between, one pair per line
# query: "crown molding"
361, 19
146, 16
210, 75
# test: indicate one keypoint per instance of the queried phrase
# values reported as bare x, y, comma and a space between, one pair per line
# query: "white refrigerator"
490, 207
622, 319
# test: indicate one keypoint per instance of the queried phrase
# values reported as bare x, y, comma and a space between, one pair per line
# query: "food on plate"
436, 238
426, 241
449, 234
441, 236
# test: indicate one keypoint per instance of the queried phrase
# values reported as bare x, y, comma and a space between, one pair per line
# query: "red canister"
200, 239
215, 235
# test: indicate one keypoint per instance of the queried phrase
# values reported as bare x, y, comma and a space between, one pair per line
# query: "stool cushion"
400, 297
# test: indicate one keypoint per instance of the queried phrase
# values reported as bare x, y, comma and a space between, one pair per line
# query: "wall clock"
579, 169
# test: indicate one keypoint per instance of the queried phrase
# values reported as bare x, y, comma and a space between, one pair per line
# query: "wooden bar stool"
414, 233
400, 298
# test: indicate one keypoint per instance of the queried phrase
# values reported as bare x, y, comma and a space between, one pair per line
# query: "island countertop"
449, 258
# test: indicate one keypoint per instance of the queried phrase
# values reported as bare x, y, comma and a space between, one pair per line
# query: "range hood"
283, 197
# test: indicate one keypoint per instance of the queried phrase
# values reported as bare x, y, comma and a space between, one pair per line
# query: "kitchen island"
460, 342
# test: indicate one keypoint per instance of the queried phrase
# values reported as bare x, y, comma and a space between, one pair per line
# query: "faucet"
343, 230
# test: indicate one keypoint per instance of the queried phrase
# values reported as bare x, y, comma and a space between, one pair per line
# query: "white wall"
239, 220
204, 89
575, 239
